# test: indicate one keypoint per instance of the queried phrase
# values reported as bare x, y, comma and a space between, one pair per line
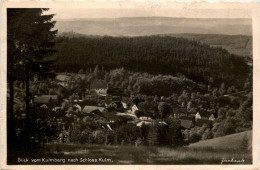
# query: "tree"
30, 45
208, 134
164, 109
189, 106
222, 89
99, 73
81, 71
194, 137
231, 89
174, 134
227, 127
245, 112
247, 85
152, 136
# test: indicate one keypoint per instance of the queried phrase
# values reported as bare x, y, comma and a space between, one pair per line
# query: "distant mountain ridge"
141, 26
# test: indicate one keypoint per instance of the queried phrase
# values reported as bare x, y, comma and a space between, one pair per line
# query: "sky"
188, 12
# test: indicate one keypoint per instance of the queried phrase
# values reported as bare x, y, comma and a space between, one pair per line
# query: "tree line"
153, 54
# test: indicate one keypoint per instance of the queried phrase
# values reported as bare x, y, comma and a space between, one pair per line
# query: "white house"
134, 108
212, 117
197, 116
205, 115
145, 118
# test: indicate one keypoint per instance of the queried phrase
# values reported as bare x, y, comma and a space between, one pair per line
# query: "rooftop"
44, 99
186, 123
89, 109
186, 118
201, 122
206, 114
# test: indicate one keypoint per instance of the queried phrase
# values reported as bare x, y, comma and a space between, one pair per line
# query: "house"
91, 97
179, 111
139, 124
92, 109
125, 102
205, 115
48, 100
197, 116
108, 101
201, 122
126, 115
134, 108
187, 122
145, 118
77, 107
99, 87
44, 99
114, 105
212, 117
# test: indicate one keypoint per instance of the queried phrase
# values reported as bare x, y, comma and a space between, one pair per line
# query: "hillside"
152, 54
142, 26
225, 142
234, 44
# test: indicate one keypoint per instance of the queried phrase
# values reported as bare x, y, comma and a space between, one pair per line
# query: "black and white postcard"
167, 84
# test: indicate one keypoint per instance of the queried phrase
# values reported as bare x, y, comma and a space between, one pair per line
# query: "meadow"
212, 151
148, 155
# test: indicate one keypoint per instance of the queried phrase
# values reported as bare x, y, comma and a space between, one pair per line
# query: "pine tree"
97, 71
30, 46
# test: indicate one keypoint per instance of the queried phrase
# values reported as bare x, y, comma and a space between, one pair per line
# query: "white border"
252, 6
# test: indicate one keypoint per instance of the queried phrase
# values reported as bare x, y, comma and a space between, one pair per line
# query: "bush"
194, 137
152, 136
208, 134
75, 133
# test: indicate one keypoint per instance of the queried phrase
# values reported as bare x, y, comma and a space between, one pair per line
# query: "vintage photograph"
132, 86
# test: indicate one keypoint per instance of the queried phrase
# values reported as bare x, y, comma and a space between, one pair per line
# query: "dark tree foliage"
164, 109
30, 46
152, 136
153, 54
30, 32
170, 134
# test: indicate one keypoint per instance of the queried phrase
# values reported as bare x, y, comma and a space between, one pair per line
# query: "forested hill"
152, 54
234, 44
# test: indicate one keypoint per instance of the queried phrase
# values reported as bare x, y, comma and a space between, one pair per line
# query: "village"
111, 108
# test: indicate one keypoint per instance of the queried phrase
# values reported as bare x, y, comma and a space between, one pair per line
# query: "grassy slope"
226, 142
198, 153
137, 155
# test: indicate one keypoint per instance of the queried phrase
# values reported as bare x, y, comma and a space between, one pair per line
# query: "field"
225, 148
205, 152
151, 155
225, 142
